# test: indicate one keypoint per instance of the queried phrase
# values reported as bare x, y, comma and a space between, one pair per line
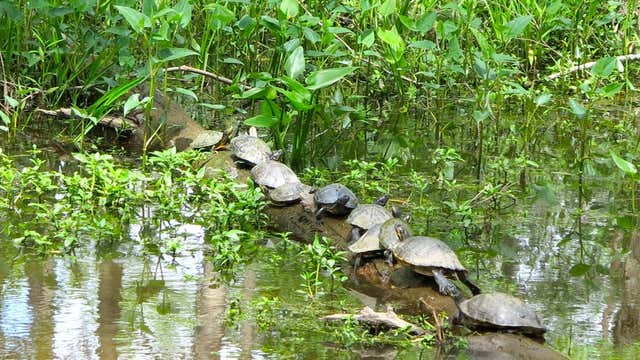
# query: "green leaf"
576, 108
253, 92
387, 8
392, 38
131, 103
516, 26
289, 8
611, 89
423, 44
323, 78
295, 65
261, 120
425, 23
367, 38
170, 54
137, 20
187, 92
5, 118
604, 67
232, 61
13, 103
579, 269
184, 8
623, 164
542, 99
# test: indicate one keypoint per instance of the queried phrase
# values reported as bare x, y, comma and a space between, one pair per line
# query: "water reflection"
626, 328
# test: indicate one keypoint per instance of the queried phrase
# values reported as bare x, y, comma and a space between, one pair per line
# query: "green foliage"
56, 212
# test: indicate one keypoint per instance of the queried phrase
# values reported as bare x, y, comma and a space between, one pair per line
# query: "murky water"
124, 303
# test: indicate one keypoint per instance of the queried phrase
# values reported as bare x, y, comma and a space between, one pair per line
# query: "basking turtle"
288, 193
430, 256
500, 311
377, 240
206, 140
366, 216
250, 150
272, 174
335, 199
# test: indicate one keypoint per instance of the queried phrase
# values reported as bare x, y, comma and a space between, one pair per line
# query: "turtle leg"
388, 257
320, 212
355, 235
475, 290
445, 286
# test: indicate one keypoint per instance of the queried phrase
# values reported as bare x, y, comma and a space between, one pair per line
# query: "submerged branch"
589, 65
370, 318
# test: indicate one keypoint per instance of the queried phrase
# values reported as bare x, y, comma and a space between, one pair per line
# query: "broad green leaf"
297, 87
604, 67
13, 103
387, 8
408, 22
289, 8
623, 164
542, 99
425, 23
232, 61
423, 44
261, 121
295, 99
576, 108
132, 102
170, 54
367, 38
516, 26
5, 118
250, 93
323, 78
295, 65
212, 106
579, 269
187, 92
311, 35
611, 89
184, 9
392, 38
137, 20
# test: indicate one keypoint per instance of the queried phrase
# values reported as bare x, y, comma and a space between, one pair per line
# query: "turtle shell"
206, 139
367, 215
250, 149
288, 193
499, 310
273, 174
424, 253
388, 236
368, 242
327, 197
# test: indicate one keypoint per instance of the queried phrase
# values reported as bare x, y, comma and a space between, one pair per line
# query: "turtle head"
276, 155
343, 200
401, 231
382, 201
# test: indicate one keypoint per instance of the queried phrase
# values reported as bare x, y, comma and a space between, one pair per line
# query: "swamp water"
125, 303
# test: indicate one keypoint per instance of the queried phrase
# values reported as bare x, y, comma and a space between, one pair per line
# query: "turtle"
365, 216
272, 174
289, 193
378, 239
249, 150
500, 311
206, 140
432, 257
389, 238
335, 199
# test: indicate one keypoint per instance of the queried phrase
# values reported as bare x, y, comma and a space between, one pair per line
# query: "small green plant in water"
321, 259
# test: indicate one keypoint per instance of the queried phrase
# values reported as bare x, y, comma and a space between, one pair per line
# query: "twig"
436, 320
205, 73
589, 65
